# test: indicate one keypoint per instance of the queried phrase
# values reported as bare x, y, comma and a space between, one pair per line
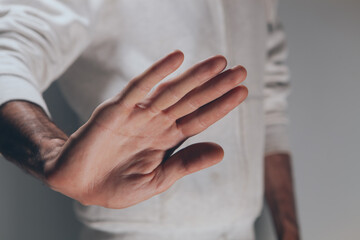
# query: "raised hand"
123, 154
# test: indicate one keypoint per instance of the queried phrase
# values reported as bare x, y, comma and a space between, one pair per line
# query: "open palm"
124, 153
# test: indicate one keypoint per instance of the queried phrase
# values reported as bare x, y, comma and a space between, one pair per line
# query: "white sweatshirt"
95, 47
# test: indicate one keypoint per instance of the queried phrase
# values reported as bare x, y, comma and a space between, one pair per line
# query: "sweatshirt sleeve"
39, 39
277, 87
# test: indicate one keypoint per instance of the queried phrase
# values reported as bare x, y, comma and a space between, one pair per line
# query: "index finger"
141, 85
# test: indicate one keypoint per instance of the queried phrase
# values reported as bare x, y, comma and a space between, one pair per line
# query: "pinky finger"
212, 112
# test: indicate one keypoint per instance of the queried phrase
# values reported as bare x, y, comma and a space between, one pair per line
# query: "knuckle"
201, 123
150, 108
153, 109
235, 77
169, 116
218, 90
205, 70
193, 104
141, 86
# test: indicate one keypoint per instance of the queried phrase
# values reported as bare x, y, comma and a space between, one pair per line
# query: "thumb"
186, 161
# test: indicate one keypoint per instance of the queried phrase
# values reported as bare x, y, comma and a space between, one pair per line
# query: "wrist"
47, 158
29, 138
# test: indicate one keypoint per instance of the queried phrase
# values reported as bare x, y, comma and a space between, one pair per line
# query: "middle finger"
207, 92
180, 86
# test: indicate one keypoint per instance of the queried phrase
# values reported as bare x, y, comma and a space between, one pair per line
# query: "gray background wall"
324, 42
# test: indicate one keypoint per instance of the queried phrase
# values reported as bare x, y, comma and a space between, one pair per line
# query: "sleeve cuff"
16, 88
277, 139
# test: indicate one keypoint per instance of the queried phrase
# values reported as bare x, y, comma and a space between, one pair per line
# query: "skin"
280, 195
124, 153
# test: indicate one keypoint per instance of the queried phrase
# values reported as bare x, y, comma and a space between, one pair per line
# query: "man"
124, 164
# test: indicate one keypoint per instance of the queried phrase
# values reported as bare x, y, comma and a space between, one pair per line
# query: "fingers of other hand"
208, 114
186, 161
206, 93
140, 86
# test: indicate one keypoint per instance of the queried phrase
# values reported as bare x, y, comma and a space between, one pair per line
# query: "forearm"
279, 193
29, 138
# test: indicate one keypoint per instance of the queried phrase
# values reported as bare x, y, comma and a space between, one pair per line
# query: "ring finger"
207, 92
